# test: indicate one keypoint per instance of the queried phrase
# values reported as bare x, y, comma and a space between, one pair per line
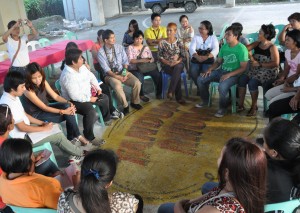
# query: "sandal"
83, 140
240, 109
252, 112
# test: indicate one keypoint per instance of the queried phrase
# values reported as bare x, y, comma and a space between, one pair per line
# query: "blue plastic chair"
165, 78
252, 37
31, 210
46, 146
287, 207
44, 42
212, 91
70, 35
96, 107
278, 28
223, 31
149, 77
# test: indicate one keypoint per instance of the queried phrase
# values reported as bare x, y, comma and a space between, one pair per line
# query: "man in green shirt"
233, 57
154, 34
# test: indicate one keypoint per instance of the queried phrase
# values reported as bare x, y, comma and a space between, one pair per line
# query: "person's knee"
253, 85
243, 80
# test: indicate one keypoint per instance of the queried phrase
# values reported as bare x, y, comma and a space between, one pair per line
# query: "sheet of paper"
38, 136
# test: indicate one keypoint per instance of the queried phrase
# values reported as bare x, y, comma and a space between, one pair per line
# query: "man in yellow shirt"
154, 34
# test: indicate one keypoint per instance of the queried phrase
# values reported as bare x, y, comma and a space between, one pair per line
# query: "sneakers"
108, 123
76, 159
117, 114
126, 110
76, 142
98, 141
220, 113
136, 106
201, 105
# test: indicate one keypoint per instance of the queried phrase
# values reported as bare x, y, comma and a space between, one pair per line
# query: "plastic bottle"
124, 72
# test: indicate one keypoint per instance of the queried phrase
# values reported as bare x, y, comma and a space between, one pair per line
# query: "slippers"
240, 109
252, 112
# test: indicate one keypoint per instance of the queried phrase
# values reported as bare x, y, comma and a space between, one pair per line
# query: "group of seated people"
27, 117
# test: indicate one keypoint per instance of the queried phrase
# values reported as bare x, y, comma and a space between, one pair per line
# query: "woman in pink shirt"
133, 52
287, 84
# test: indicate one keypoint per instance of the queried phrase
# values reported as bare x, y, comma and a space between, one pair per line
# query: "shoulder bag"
14, 58
145, 67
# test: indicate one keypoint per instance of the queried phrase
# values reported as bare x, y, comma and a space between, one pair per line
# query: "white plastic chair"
33, 45
3, 55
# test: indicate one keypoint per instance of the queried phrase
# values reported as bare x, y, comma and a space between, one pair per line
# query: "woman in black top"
282, 146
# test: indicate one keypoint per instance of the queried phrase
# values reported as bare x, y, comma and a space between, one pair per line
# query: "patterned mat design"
167, 151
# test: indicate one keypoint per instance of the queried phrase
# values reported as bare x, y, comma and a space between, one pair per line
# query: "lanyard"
156, 35
111, 59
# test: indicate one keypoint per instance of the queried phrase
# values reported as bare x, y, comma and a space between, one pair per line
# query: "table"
47, 55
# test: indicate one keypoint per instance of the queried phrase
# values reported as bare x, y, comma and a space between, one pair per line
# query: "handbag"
203, 53
145, 67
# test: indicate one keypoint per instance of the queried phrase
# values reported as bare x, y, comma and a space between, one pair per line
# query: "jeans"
224, 86
156, 77
166, 208
62, 142
208, 186
175, 84
196, 69
90, 116
253, 83
47, 168
72, 127
18, 69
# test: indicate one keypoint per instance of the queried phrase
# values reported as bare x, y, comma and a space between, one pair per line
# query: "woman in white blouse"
203, 49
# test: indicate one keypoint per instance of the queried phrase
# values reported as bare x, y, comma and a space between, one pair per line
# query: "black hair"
5, 118
239, 26
99, 34
284, 137
137, 34
72, 55
269, 31
236, 31
295, 35
135, 25
106, 34
97, 171
11, 24
70, 45
208, 26
15, 156
154, 15
12, 81
31, 69
183, 16
295, 16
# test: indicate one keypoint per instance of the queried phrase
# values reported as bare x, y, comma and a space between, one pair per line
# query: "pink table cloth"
48, 55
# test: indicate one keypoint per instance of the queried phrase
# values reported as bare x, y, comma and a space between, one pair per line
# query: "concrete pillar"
120, 7
230, 3
111, 8
142, 5
97, 12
